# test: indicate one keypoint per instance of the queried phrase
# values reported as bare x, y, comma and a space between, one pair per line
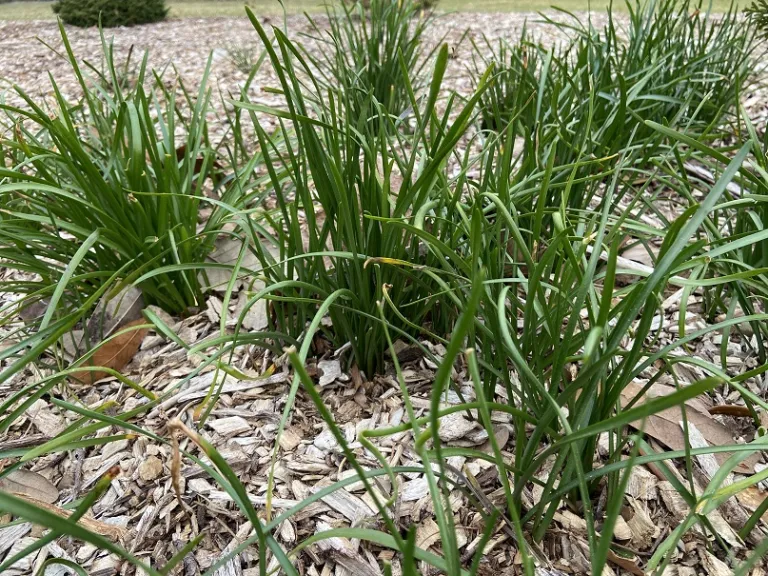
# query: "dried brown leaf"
114, 354
628, 564
665, 425
32, 484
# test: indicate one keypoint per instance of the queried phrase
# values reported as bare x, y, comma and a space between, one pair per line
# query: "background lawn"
213, 8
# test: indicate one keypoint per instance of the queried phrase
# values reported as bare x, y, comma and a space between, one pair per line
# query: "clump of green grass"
125, 76
346, 174
365, 50
550, 332
124, 172
679, 64
517, 66
734, 272
701, 61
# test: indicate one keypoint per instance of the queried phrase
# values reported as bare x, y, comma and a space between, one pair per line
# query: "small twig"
176, 427
78, 472
114, 533
25, 442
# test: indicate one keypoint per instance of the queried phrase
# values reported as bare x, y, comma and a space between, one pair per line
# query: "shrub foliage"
112, 13
758, 13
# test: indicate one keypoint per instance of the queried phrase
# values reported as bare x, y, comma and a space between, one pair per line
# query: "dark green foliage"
517, 68
420, 4
758, 13
743, 219
113, 13
395, 222
700, 61
363, 173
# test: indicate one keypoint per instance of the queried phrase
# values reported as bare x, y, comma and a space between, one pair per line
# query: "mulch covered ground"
140, 509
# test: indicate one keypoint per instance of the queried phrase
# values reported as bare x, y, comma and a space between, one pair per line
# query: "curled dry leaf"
114, 353
630, 564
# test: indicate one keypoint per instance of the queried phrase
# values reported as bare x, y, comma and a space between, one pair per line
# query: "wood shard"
348, 505
642, 484
231, 426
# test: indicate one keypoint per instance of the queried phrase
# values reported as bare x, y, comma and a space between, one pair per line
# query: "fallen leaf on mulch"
215, 169
227, 251
665, 425
32, 484
114, 353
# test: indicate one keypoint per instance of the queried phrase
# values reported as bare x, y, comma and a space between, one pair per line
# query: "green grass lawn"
212, 8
